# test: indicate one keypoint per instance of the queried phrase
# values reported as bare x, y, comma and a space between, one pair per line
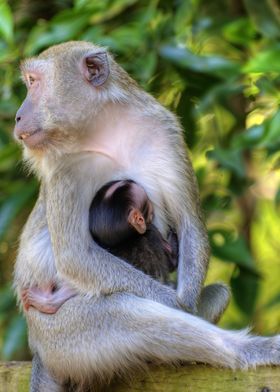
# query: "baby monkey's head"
119, 211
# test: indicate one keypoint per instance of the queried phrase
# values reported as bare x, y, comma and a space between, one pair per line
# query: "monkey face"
68, 85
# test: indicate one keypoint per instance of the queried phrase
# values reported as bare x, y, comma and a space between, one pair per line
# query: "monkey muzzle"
29, 138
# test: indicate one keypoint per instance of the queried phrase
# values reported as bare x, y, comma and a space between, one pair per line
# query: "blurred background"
214, 63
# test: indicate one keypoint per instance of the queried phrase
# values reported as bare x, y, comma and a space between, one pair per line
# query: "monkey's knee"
213, 302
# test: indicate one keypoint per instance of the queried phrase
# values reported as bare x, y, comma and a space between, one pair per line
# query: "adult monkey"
84, 122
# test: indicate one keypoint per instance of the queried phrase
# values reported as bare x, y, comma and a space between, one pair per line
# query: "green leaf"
277, 197
265, 15
273, 302
185, 15
272, 131
14, 203
214, 202
265, 61
80, 4
110, 10
6, 21
8, 107
63, 27
220, 94
265, 135
232, 249
127, 37
103, 9
7, 299
229, 159
240, 31
249, 138
145, 66
214, 65
8, 156
245, 288
15, 337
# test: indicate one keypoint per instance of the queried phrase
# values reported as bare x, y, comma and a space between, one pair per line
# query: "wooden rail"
14, 377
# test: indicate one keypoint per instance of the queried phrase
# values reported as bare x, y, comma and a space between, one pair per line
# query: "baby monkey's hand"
46, 300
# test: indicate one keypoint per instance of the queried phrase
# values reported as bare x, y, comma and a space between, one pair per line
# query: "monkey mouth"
25, 135
31, 138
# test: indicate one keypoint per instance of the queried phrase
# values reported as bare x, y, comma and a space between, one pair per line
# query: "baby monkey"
120, 220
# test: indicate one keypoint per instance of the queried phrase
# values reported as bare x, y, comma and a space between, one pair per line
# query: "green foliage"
6, 22
210, 65
216, 64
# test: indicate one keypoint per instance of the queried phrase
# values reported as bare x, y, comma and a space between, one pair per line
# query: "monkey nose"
24, 135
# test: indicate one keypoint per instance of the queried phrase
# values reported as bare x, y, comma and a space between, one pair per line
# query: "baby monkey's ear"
136, 219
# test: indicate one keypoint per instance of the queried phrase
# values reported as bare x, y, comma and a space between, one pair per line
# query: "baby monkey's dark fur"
120, 219
110, 227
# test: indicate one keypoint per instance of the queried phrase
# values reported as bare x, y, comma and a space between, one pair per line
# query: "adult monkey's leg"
213, 302
41, 380
135, 330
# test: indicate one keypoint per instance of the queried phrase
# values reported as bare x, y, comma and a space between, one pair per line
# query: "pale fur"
121, 317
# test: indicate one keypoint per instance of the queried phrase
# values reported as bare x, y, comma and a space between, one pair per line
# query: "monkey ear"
97, 68
136, 219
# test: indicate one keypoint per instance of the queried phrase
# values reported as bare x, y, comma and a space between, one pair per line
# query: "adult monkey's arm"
88, 266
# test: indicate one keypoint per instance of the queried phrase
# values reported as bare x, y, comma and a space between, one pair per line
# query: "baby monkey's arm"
47, 299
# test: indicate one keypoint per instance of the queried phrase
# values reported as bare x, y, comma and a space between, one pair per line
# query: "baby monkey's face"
133, 198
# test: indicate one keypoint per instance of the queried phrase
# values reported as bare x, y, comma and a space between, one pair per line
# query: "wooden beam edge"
14, 377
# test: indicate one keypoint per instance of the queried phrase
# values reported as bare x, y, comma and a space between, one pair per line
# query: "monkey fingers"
24, 299
39, 299
45, 300
47, 308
